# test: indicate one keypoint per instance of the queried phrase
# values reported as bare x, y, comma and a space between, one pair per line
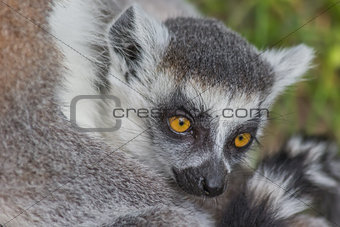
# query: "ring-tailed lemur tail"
288, 183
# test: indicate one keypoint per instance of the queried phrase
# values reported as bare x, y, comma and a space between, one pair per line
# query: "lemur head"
209, 86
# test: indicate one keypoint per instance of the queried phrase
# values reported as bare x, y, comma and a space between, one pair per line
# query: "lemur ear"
136, 40
289, 65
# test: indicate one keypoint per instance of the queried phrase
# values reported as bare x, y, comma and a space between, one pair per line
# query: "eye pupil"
240, 137
181, 122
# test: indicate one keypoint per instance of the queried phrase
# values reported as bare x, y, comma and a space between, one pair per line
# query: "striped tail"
288, 183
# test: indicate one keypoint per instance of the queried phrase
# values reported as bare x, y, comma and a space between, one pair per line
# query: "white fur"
282, 202
78, 25
151, 35
289, 64
315, 150
75, 24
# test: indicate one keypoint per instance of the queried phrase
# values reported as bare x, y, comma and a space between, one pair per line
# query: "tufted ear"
136, 40
289, 65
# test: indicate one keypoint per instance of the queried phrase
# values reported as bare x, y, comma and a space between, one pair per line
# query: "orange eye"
179, 124
242, 140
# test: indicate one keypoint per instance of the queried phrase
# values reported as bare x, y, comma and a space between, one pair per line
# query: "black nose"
199, 181
213, 187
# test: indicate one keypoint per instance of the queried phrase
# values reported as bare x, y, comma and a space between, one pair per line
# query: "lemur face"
208, 86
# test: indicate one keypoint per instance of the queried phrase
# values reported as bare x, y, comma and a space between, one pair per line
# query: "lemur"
54, 175
187, 68
176, 64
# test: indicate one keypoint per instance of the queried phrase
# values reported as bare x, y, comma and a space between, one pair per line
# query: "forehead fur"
213, 54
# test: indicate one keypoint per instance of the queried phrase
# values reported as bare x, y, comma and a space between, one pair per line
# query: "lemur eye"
179, 124
242, 140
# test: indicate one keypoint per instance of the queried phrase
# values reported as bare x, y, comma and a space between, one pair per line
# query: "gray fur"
179, 65
215, 56
53, 175
58, 177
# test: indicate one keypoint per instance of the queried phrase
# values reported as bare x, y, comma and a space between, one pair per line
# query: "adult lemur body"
54, 175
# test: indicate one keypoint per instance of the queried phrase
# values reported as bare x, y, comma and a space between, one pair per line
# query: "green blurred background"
313, 105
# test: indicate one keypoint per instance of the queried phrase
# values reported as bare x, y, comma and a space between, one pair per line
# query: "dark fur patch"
124, 42
241, 213
215, 55
281, 162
